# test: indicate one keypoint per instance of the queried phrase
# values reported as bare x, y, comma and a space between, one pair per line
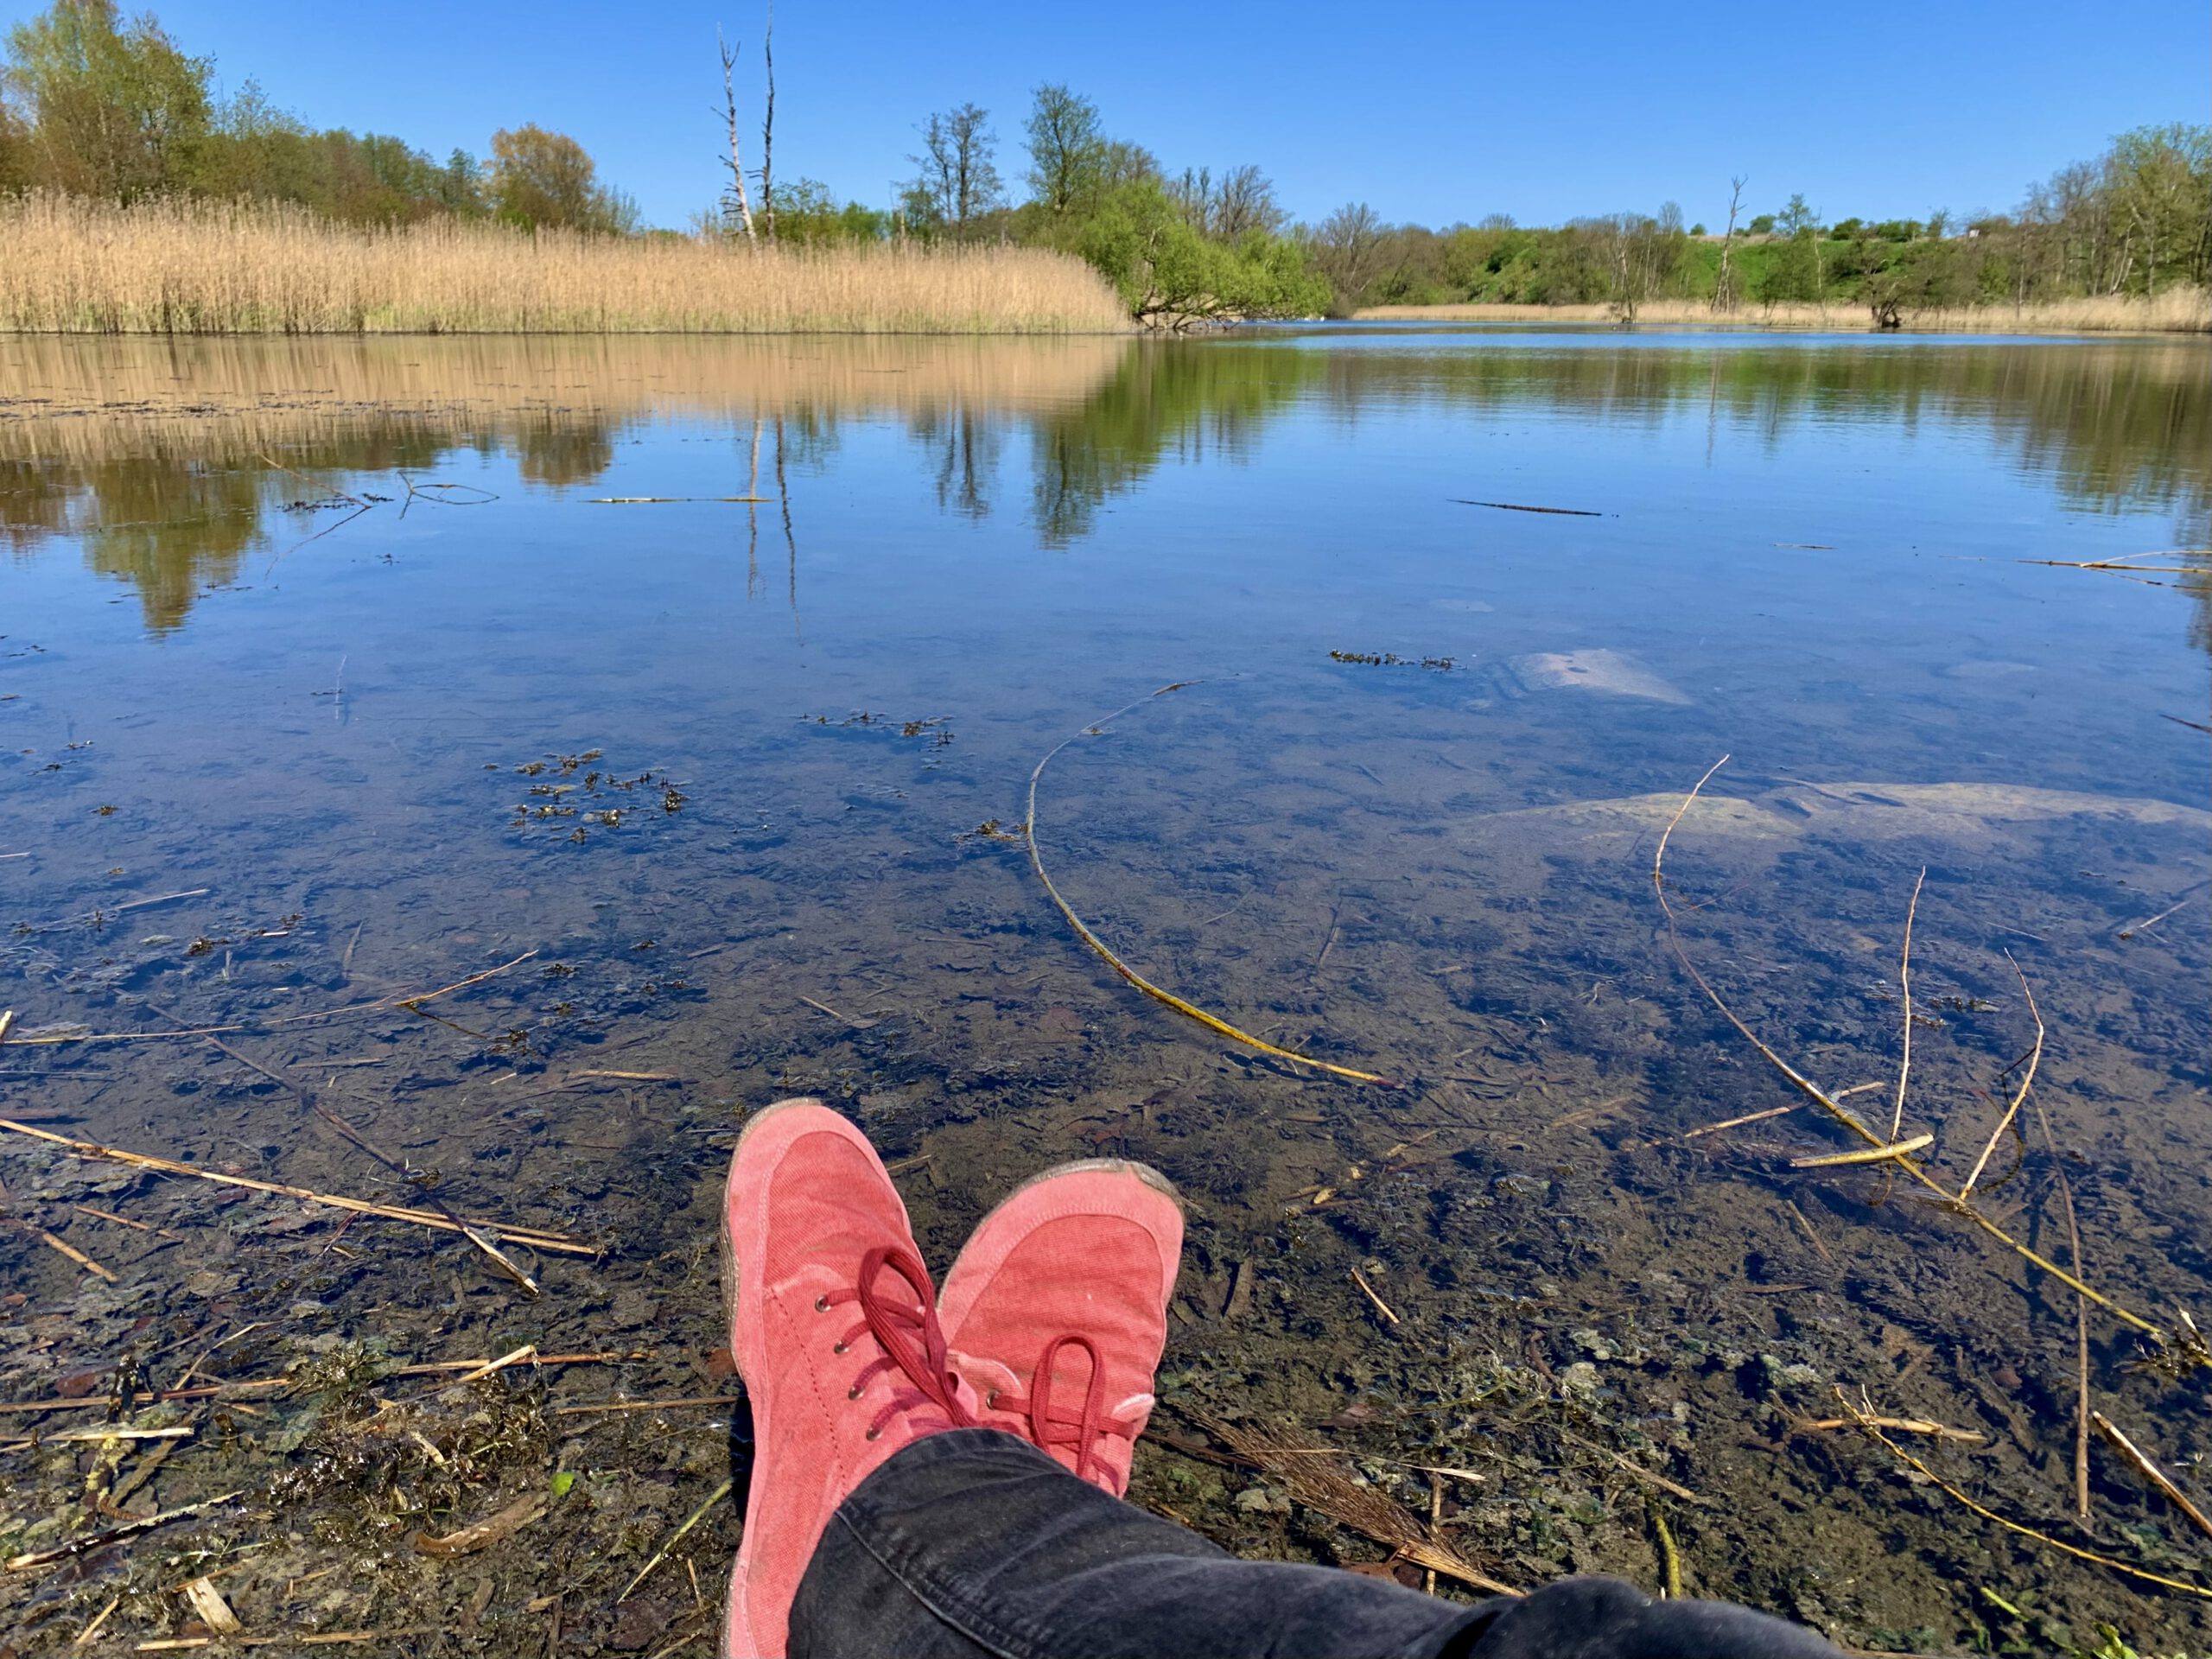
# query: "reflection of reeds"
89, 402
178, 267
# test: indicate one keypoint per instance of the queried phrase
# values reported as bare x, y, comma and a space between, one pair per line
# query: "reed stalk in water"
2188, 1347
1189, 1010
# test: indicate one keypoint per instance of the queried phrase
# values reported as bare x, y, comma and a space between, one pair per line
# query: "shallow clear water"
318, 720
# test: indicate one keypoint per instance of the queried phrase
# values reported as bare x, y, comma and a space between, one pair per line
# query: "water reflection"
388, 767
171, 462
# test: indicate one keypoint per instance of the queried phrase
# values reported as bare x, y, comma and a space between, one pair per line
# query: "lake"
689, 692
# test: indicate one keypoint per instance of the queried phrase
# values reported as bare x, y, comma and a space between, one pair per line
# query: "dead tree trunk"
768, 130
1724, 297
736, 210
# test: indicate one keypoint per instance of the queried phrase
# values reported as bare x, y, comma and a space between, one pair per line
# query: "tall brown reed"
182, 267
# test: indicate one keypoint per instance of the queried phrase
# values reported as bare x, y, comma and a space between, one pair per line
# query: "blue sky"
1430, 112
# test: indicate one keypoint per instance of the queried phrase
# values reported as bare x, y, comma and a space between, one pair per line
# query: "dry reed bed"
2177, 311
69, 265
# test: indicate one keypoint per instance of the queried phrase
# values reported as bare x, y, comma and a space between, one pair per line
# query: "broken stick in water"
530, 1237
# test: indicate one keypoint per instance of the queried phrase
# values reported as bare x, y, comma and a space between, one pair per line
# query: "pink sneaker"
1057, 1312
834, 1331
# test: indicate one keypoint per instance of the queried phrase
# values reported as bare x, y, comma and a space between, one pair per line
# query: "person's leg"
974, 1544
894, 1512
977, 1543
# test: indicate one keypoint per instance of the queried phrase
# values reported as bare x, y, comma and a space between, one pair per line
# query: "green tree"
958, 182
2160, 182
1172, 277
1793, 269
807, 212
16, 158
115, 110
1067, 148
546, 180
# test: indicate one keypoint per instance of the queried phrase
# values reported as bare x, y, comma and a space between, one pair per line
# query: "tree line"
94, 104
2136, 220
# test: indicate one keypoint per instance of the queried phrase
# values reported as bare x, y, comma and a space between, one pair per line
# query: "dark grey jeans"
974, 1543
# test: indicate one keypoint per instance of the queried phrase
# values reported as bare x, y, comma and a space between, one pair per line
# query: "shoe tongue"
964, 1392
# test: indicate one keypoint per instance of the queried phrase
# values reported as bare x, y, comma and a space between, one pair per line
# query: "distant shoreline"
2181, 311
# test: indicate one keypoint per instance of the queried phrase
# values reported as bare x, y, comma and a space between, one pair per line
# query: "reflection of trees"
174, 518
964, 448
173, 503
34, 504
2113, 426
1183, 400
559, 448
170, 528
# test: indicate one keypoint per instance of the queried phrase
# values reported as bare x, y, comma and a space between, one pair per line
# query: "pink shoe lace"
912, 1343
1082, 1430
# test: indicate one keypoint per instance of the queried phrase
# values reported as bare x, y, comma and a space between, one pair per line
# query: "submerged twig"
1866, 1422
622, 1406
397, 1167
2149, 922
531, 1237
2081, 1412
1368, 1290
1211, 1022
69, 1250
1313, 1476
84, 1637
1956, 1202
1737, 1122
1629, 1466
2027, 1082
1934, 1431
101, 1540
1670, 1559
2151, 1471
1905, 984
1877, 1154
676, 1537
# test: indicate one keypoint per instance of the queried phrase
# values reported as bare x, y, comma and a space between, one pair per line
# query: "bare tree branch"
737, 211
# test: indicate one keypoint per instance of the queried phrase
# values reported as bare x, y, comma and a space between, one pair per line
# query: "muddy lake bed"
468, 775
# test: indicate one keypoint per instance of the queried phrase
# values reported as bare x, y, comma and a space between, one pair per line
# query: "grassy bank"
2177, 311
69, 265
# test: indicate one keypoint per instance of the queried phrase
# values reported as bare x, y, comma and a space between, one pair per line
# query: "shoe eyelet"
821, 1303
991, 1398
839, 1348
853, 1394
875, 1435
